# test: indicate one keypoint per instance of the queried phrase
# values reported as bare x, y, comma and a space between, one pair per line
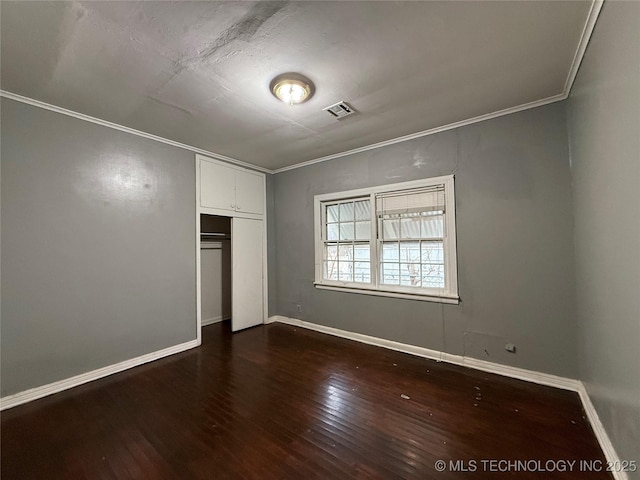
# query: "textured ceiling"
198, 72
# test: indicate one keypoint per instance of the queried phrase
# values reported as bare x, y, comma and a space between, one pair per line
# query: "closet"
215, 268
231, 238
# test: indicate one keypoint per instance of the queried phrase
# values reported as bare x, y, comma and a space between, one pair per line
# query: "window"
394, 240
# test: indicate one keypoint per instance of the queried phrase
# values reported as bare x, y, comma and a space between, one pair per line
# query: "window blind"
411, 201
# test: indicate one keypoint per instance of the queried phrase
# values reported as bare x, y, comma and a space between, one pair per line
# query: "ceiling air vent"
339, 110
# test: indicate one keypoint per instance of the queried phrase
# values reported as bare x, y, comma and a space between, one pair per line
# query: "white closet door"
246, 276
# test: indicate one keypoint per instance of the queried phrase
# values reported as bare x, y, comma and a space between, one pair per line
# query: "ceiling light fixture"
292, 88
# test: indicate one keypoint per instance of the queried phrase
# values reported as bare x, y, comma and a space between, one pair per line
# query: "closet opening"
215, 269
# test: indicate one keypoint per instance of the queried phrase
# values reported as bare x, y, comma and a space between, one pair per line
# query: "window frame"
448, 294
354, 241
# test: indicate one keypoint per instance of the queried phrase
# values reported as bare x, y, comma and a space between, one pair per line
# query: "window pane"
363, 210
390, 252
332, 231
332, 213
432, 276
345, 253
346, 212
432, 252
410, 227
362, 252
346, 231
363, 230
432, 226
345, 272
330, 251
390, 274
410, 274
362, 272
331, 270
410, 252
409, 236
390, 229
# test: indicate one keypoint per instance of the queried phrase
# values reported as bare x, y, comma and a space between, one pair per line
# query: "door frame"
224, 213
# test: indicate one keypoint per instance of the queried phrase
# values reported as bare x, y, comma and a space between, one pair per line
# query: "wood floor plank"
278, 402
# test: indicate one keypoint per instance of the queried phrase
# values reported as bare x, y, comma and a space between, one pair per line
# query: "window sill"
452, 300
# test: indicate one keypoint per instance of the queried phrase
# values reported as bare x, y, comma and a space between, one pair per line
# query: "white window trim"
447, 295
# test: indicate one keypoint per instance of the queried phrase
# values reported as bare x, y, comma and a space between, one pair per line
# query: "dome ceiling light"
292, 88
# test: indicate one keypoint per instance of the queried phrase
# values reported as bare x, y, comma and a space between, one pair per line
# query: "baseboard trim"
601, 434
19, 398
504, 370
218, 319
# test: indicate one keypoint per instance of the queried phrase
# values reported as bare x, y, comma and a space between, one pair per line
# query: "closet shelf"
217, 236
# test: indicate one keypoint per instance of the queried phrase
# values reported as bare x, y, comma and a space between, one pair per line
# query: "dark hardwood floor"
276, 402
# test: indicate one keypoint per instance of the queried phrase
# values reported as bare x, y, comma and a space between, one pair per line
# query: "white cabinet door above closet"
249, 192
217, 186
225, 187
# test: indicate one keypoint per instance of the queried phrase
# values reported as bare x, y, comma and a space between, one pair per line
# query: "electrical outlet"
299, 308
510, 347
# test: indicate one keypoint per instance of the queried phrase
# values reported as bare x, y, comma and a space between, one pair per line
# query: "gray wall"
515, 252
98, 249
604, 125
271, 247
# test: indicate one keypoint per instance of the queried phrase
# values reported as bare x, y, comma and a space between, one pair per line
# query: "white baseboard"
218, 319
504, 370
601, 434
55, 387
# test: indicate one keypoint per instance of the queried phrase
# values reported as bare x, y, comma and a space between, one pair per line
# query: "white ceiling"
198, 72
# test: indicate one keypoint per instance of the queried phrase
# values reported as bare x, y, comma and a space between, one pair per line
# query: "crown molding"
132, 131
424, 133
587, 31
590, 23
